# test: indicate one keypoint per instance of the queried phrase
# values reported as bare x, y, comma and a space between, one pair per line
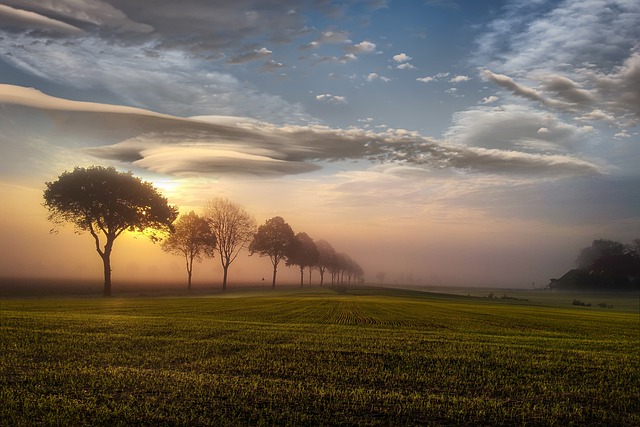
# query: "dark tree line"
276, 239
605, 265
106, 203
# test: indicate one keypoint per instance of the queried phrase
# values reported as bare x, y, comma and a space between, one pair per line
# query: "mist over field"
437, 143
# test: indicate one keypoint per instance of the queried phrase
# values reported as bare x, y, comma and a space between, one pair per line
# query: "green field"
320, 357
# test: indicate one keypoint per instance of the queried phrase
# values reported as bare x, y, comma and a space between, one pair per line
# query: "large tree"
303, 253
107, 203
273, 239
233, 228
191, 238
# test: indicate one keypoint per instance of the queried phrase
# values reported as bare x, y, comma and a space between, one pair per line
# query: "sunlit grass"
362, 357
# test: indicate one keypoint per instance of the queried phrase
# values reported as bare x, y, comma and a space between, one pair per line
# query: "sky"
440, 142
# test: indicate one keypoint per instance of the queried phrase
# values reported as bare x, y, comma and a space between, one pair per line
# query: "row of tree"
106, 203
226, 228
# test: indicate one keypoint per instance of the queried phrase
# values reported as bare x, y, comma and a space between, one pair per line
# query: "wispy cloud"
19, 19
334, 99
459, 79
405, 66
251, 56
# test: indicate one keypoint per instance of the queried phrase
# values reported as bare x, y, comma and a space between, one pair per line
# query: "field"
368, 356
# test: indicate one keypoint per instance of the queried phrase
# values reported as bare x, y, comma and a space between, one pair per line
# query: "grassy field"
320, 357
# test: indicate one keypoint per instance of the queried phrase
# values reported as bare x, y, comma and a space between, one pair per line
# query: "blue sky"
493, 130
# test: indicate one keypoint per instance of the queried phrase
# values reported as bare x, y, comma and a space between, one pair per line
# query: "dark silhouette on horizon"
606, 265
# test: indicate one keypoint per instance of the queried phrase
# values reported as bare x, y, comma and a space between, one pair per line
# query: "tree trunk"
189, 271
301, 276
273, 281
106, 262
225, 268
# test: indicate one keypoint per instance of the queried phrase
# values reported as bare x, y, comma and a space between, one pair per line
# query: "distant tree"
326, 253
233, 228
599, 250
191, 238
606, 264
381, 275
339, 267
303, 253
357, 272
107, 203
273, 239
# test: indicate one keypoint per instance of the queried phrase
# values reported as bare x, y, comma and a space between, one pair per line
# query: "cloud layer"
221, 145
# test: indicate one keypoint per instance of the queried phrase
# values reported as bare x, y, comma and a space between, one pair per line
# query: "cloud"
515, 88
435, 78
335, 99
489, 99
18, 19
513, 127
405, 66
621, 88
572, 56
362, 47
69, 17
271, 66
250, 56
199, 27
157, 82
327, 37
573, 33
567, 89
401, 57
459, 79
333, 37
375, 76
328, 59
219, 145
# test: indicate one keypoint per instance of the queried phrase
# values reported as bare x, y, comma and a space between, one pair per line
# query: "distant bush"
505, 296
580, 303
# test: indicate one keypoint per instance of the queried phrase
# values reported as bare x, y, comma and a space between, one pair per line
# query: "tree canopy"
273, 239
233, 228
107, 203
303, 253
191, 238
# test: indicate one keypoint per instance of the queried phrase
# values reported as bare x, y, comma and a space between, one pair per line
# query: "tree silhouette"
106, 202
326, 253
303, 253
191, 238
233, 228
273, 239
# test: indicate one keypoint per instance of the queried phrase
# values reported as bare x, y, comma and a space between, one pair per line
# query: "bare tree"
107, 203
191, 238
303, 253
273, 239
233, 228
